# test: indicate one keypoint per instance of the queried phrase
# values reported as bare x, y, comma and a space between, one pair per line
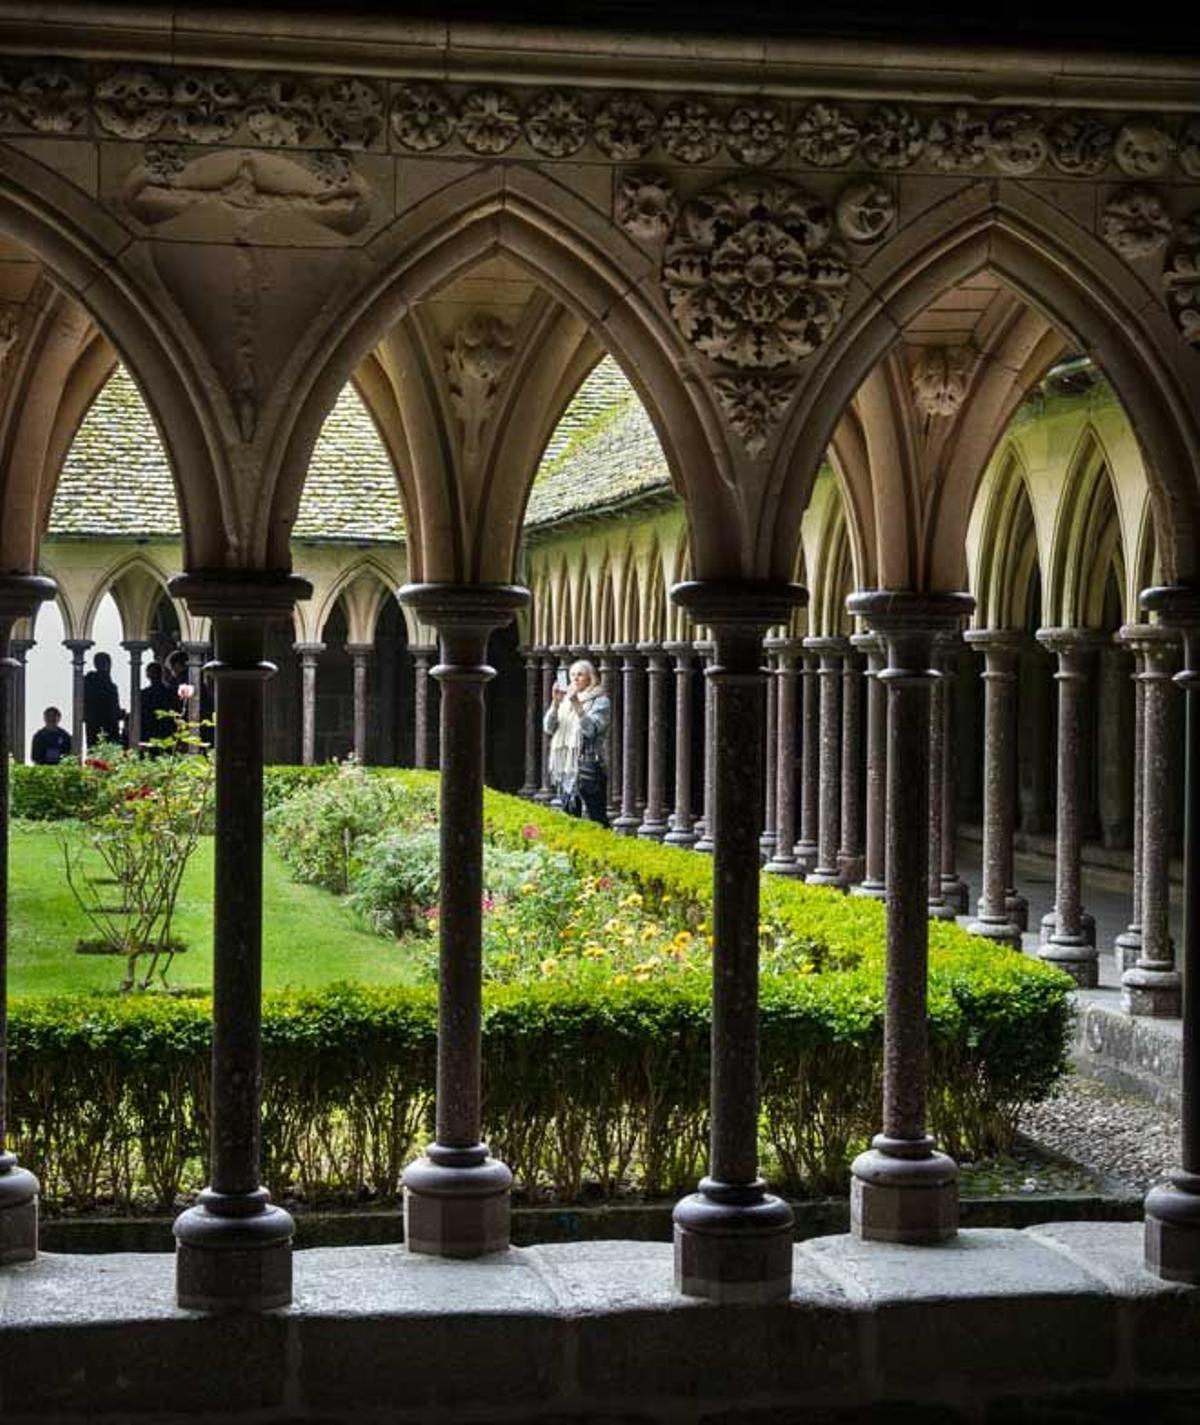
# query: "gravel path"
1114, 1134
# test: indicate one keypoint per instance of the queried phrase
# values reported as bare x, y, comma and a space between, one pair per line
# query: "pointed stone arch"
1087, 538
1004, 560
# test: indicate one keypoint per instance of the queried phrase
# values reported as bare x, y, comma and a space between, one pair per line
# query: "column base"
851, 868
226, 1262
18, 1212
806, 856
542, 797
825, 877
1149, 993
733, 1244
870, 890
998, 928
938, 908
527, 793
894, 1199
1172, 1240
685, 837
626, 825
703, 843
957, 893
782, 866
1049, 925
1072, 954
652, 830
1127, 948
1017, 909
766, 845
456, 1203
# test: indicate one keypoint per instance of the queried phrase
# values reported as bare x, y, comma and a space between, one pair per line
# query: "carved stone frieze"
750, 276
132, 103
625, 128
754, 406
422, 117
489, 121
825, 136
207, 106
556, 124
1189, 148
1135, 222
476, 360
957, 141
282, 112
646, 206
52, 100
351, 113
1142, 150
756, 134
1080, 144
940, 375
893, 137
1181, 279
691, 131
1019, 145
865, 209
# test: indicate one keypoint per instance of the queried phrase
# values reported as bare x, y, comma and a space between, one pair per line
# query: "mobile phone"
563, 680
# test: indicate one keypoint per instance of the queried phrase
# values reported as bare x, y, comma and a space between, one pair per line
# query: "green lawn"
308, 938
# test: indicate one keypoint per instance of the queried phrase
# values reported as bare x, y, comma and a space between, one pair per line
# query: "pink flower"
185, 692
530, 832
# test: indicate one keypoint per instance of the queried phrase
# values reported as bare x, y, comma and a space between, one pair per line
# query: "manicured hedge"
585, 1090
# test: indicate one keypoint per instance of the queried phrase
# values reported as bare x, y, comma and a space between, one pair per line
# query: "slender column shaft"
78, 648
953, 887
197, 655
873, 882
733, 1240
533, 722
783, 860
850, 852
309, 654
136, 648
827, 871
632, 734
902, 1190
938, 907
422, 655
20, 651
360, 654
810, 763
766, 842
545, 791
653, 825
682, 832
704, 841
1128, 945
1001, 649
610, 678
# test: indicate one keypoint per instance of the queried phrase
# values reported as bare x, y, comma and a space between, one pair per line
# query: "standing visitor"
51, 743
157, 698
102, 711
576, 720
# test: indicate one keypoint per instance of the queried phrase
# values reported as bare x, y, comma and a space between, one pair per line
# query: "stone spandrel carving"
1181, 279
754, 406
957, 141
756, 134
131, 103
10, 330
939, 379
892, 137
1019, 145
646, 206
865, 209
1080, 144
207, 107
422, 117
691, 131
282, 112
1189, 148
625, 128
489, 121
476, 361
351, 113
749, 274
1142, 150
52, 100
826, 137
1135, 222
556, 124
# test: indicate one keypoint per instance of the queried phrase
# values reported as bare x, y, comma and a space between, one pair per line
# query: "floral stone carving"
625, 128
939, 378
749, 275
131, 103
1181, 280
754, 406
422, 117
1142, 150
1080, 144
556, 125
1019, 144
865, 210
52, 101
281, 112
958, 141
690, 131
351, 113
489, 121
756, 134
206, 107
646, 206
476, 361
825, 137
1136, 222
1189, 148
892, 137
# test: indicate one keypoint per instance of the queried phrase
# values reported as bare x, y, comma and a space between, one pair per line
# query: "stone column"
548, 668
78, 648
901, 1189
197, 655
422, 654
1128, 945
456, 1197
136, 648
704, 830
810, 764
954, 888
1071, 944
1000, 648
533, 722
850, 852
1172, 1242
783, 861
767, 841
733, 1240
658, 675
827, 872
873, 883
682, 831
610, 678
1152, 986
233, 1248
632, 734
20, 651
20, 595
360, 654
939, 907
309, 653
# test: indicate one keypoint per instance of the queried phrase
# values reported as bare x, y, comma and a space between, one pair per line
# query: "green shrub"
56, 793
283, 781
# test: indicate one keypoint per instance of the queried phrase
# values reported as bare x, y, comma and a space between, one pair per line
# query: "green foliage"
282, 782
55, 793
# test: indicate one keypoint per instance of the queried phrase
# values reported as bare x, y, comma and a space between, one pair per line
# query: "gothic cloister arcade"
905, 431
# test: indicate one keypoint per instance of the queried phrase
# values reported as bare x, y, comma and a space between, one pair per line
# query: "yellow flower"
631, 902
649, 932
568, 933
594, 951
549, 965
682, 939
528, 888
620, 979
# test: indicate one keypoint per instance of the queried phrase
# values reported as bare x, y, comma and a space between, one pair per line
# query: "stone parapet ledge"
1057, 1322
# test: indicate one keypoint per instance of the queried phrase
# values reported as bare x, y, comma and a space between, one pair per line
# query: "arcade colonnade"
882, 276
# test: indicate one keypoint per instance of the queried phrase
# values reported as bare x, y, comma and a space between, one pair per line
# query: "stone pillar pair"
360, 656
681, 831
424, 756
788, 654
706, 825
874, 883
827, 871
654, 824
534, 711
309, 654
77, 647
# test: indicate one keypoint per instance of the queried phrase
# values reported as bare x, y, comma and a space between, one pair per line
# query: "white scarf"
567, 741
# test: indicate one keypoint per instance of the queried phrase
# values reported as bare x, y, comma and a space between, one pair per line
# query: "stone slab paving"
995, 1325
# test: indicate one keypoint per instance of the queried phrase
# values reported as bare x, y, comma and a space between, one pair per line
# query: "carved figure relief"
1080, 144
1142, 150
476, 361
625, 128
756, 134
892, 137
1181, 280
690, 131
1019, 144
939, 378
1135, 223
865, 210
132, 103
958, 141
280, 112
422, 117
556, 124
489, 121
646, 206
749, 274
825, 137
754, 406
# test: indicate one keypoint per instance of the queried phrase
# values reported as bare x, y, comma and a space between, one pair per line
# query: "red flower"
98, 763
530, 832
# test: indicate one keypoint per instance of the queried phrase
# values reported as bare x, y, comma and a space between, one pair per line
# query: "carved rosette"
132, 103
282, 112
206, 106
691, 131
825, 137
892, 137
754, 406
351, 113
940, 375
625, 128
489, 121
422, 117
957, 141
1142, 150
1080, 144
1181, 280
53, 100
756, 134
749, 274
646, 206
1135, 222
865, 210
556, 125
1019, 144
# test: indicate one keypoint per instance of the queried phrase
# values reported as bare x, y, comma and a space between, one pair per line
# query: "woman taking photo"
576, 721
